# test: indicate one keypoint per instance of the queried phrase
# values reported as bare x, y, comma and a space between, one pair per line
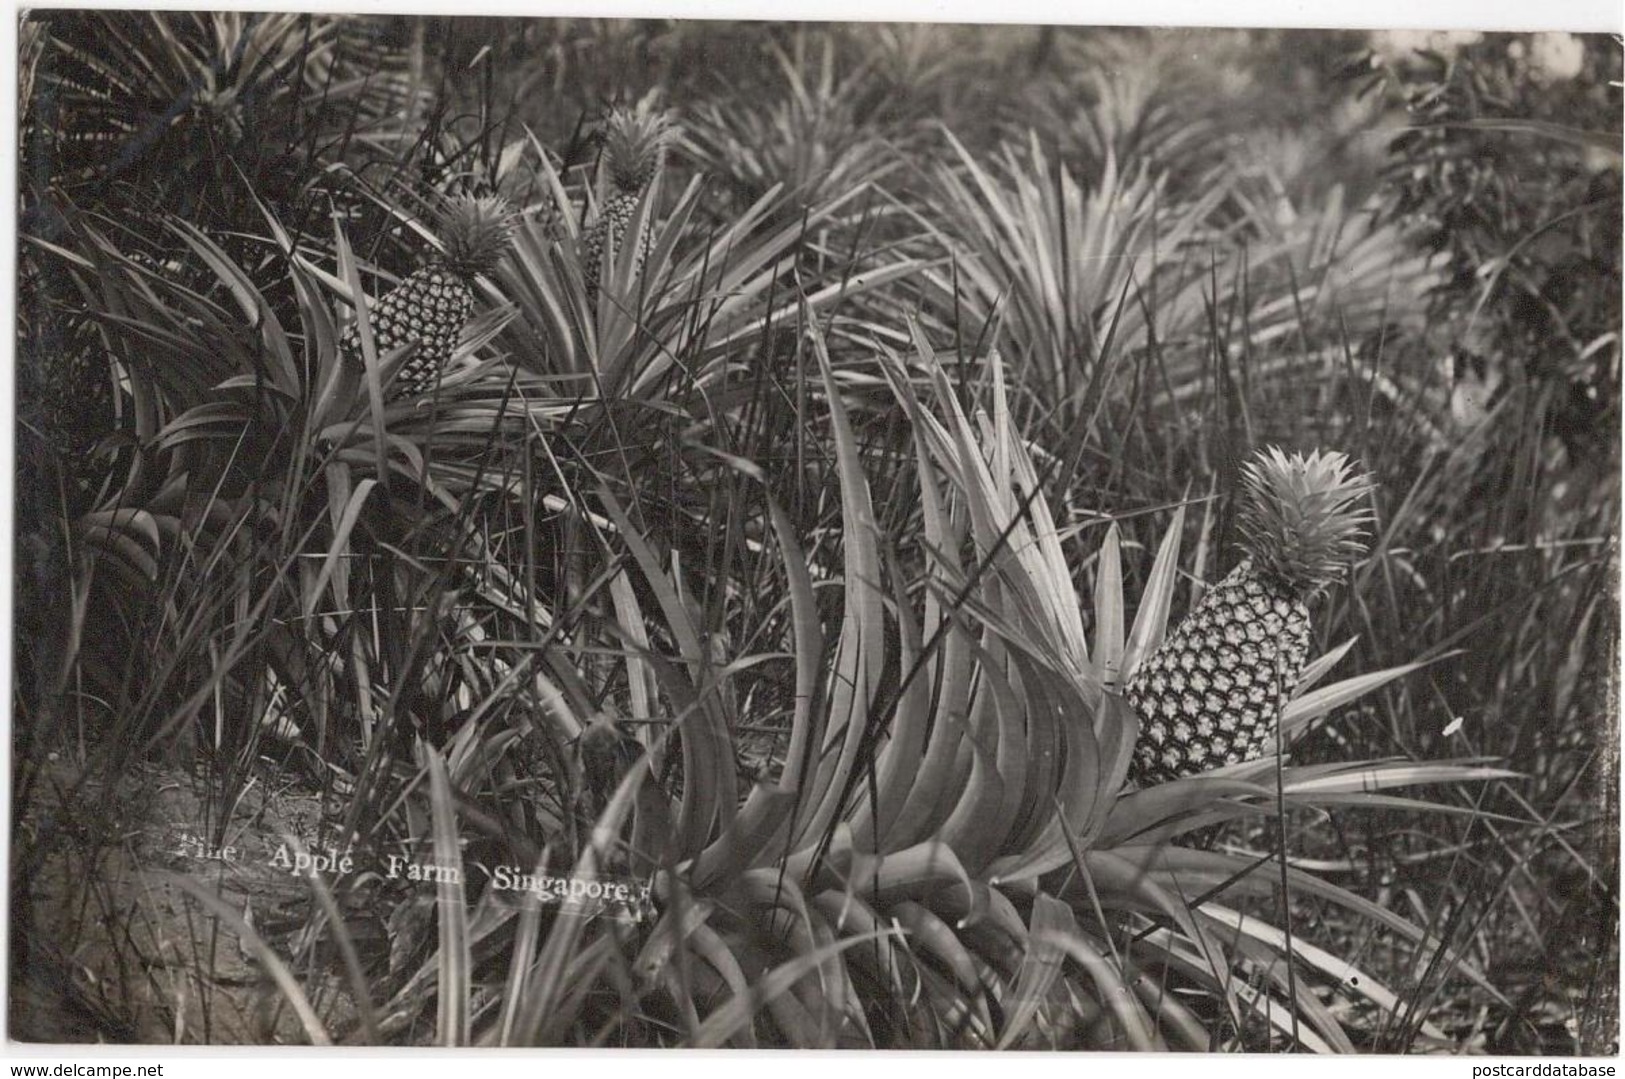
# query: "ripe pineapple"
1212, 692
635, 142
434, 303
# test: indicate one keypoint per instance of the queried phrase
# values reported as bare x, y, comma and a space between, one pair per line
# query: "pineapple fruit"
635, 141
432, 305
1211, 694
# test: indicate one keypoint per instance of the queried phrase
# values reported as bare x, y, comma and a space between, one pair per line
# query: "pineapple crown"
1298, 520
476, 231
635, 141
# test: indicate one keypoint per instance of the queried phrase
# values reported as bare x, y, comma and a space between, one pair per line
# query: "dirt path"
110, 940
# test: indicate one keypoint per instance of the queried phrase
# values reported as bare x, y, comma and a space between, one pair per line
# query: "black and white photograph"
640, 533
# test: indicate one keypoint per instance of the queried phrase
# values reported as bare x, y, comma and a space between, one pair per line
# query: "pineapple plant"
635, 141
78, 410
1212, 693
433, 304
68, 379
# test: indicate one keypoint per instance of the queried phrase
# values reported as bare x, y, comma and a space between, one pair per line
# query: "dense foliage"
787, 519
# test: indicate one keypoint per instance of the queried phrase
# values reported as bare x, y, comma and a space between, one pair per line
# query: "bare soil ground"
109, 942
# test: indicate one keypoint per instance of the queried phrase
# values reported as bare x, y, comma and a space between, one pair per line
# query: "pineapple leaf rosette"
1047, 791
237, 403
626, 290
953, 801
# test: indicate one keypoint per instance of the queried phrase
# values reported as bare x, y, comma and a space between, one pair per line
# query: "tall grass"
851, 613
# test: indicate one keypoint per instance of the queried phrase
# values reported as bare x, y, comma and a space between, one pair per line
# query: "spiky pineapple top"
1300, 520
476, 231
635, 141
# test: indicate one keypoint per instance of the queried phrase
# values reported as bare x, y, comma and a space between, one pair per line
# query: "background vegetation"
840, 513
